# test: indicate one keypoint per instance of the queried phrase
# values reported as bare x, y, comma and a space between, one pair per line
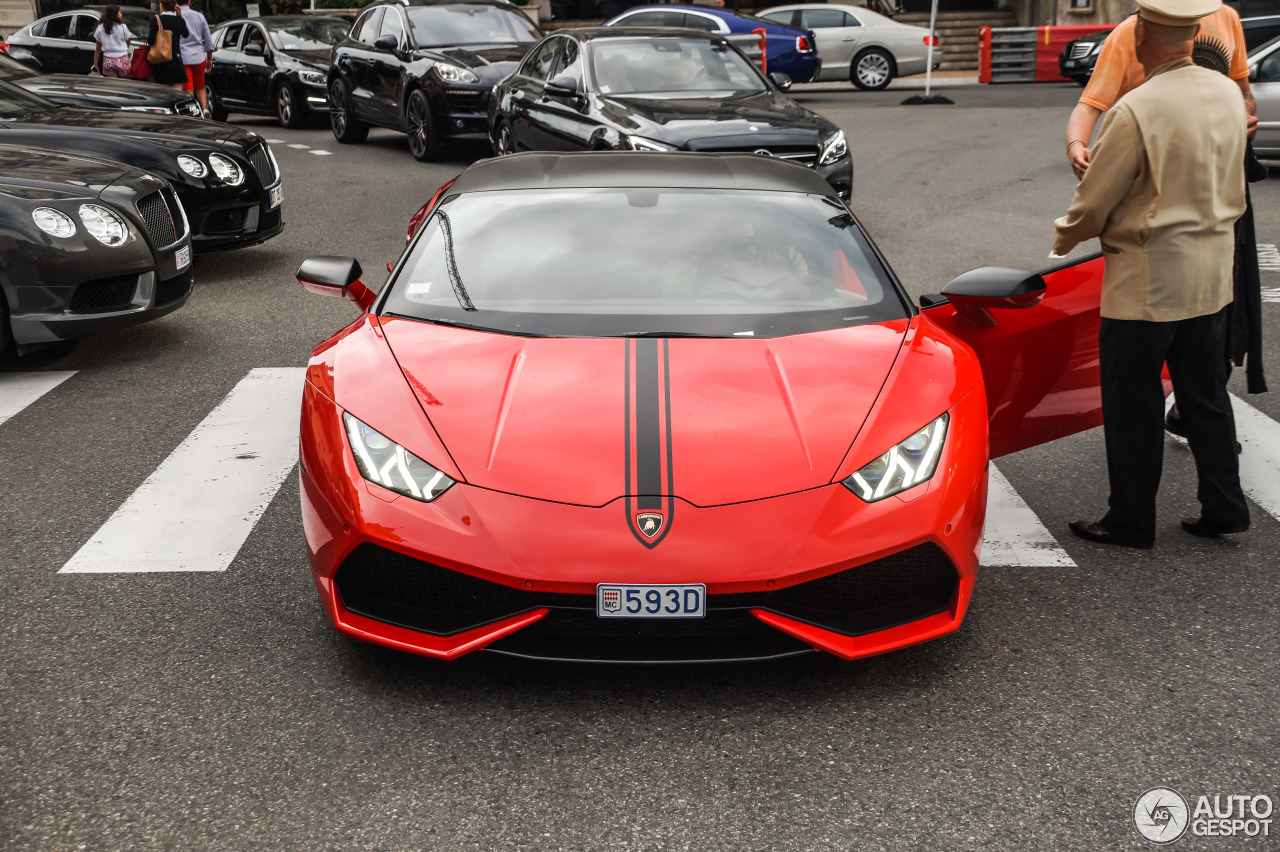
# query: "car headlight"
158, 110
192, 166
53, 222
455, 74
1095, 49
833, 148
639, 143
312, 78
906, 465
105, 226
226, 169
383, 461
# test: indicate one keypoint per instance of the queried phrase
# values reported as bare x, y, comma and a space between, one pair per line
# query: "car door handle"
850, 38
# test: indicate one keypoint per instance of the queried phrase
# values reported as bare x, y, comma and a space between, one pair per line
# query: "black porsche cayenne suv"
425, 68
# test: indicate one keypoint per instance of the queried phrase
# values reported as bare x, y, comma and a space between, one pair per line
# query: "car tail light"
931, 41
425, 210
803, 45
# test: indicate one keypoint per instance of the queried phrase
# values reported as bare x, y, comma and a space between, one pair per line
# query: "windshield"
15, 101
441, 26
663, 66
309, 35
12, 69
619, 262
138, 21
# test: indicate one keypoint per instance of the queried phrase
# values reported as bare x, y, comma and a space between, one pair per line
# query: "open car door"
1040, 363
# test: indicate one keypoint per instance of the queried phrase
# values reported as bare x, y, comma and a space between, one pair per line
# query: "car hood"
765, 118
558, 418
312, 60
48, 174
167, 130
119, 92
490, 63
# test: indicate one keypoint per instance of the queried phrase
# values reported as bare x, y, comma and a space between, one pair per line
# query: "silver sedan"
1264, 79
855, 44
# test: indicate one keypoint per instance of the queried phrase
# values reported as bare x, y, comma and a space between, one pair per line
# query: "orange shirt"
1118, 70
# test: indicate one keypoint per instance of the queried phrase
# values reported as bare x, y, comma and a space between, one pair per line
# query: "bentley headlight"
639, 143
226, 169
390, 465
105, 226
833, 148
455, 74
312, 78
908, 464
192, 166
53, 222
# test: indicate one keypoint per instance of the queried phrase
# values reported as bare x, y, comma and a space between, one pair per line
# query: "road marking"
1268, 257
1014, 535
1271, 295
276, 141
1259, 438
18, 390
321, 152
196, 510
299, 146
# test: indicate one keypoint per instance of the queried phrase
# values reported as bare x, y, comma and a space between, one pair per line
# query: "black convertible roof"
603, 169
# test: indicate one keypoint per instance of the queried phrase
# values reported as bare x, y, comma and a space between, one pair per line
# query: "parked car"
100, 92
85, 245
1264, 79
788, 49
1259, 31
425, 68
640, 327
651, 89
226, 178
63, 43
858, 45
273, 66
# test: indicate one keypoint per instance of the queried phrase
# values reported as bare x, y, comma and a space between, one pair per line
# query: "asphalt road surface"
218, 709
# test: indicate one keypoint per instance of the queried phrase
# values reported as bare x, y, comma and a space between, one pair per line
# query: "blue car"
791, 50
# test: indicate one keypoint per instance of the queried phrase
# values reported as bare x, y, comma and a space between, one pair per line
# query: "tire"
290, 112
424, 142
347, 129
217, 111
504, 142
6, 331
872, 70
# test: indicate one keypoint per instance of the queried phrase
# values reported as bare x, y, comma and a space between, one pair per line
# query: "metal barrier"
750, 45
1026, 54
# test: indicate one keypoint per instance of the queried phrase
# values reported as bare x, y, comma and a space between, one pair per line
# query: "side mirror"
387, 42
563, 86
255, 48
975, 293
782, 81
335, 276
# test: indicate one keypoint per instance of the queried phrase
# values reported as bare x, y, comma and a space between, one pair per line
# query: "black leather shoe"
1208, 529
1100, 534
1173, 423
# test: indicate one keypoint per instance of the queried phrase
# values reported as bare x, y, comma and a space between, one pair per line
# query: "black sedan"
63, 43
273, 66
225, 177
100, 92
85, 245
425, 67
646, 89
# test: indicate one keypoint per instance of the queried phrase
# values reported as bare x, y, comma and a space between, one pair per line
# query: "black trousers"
1132, 353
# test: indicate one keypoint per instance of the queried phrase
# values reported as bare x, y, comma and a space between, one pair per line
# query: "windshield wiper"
451, 265
470, 326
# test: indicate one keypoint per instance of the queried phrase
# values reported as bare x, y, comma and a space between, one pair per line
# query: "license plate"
182, 257
632, 601
274, 197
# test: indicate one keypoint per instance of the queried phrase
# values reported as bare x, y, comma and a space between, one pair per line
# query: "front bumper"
226, 217
840, 175
462, 112
815, 570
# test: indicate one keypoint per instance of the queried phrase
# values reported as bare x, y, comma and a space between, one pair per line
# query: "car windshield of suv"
441, 26
669, 67
138, 21
15, 101
644, 261
12, 69
309, 35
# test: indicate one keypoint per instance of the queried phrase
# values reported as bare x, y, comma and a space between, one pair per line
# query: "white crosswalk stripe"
321, 152
299, 146
199, 506
18, 390
1014, 535
1259, 438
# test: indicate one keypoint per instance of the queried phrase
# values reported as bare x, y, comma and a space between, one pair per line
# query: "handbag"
140, 68
162, 50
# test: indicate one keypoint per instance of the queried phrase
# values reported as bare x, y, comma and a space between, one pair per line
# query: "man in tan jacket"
1163, 190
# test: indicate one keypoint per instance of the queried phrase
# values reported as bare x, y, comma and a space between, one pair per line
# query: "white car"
1264, 79
855, 44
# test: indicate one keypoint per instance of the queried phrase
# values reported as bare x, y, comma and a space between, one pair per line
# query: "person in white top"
111, 55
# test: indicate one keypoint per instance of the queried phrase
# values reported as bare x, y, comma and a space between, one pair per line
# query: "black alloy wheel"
504, 142
346, 127
217, 111
423, 143
872, 70
289, 111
